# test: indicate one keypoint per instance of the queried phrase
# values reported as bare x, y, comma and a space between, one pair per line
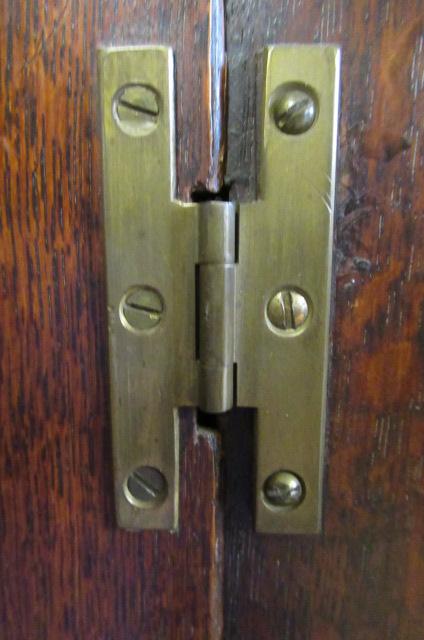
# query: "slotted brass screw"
283, 489
137, 109
141, 308
288, 310
146, 487
295, 111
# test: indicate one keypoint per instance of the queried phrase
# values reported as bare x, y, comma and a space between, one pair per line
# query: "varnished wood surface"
363, 579
66, 571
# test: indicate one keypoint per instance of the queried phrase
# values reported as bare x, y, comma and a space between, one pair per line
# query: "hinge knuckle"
216, 232
216, 305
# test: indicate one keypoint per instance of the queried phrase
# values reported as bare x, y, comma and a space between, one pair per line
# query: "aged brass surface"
286, 242
151, 241
267, 312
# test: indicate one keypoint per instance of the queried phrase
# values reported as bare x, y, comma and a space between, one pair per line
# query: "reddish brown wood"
363, 579
67, 572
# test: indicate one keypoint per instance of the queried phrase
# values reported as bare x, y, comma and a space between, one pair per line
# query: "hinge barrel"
216, 305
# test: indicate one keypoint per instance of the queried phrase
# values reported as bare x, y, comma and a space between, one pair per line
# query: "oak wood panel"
66, 571
363, 579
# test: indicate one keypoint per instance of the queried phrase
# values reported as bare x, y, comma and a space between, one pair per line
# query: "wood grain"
363, 579
67, 572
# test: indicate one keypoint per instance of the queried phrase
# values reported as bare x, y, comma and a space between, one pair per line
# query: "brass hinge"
189, 304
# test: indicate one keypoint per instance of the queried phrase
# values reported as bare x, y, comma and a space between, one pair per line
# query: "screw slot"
146, 487
288, 310
141, 308
283, 490
294, 108
136, 109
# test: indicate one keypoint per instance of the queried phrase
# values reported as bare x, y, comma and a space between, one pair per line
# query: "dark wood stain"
363, 578
67, 571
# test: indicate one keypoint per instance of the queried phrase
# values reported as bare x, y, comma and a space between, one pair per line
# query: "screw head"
146, 487
288, 310
283, 489
294, 109
141, 308
136, 109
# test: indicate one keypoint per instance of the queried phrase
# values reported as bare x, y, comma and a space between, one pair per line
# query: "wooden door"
67, 572
363, 579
